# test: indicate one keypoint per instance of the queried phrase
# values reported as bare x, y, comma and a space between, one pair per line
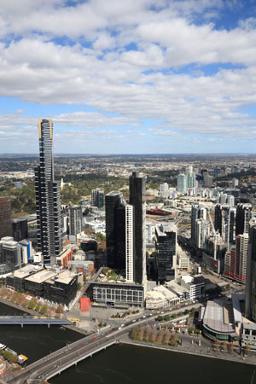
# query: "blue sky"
134, 76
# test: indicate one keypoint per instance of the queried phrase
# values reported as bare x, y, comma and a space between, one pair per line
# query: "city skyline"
145, 76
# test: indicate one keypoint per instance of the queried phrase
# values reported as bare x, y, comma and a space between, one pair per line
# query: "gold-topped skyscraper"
47, 197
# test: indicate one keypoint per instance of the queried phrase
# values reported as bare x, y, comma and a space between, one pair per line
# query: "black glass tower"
137, 191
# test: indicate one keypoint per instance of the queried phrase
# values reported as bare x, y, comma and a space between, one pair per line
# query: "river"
122, 364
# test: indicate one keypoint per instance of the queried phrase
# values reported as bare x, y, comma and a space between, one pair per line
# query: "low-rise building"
160, 297
51, 284
116, 294
222, 319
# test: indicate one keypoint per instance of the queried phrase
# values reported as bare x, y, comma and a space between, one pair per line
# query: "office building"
10, 254
116, 294
5, 217
165, 243
120, 235
59, 287
136, 199
47, 197
75, 220
97, 198
182, 183
113, 200
19, 229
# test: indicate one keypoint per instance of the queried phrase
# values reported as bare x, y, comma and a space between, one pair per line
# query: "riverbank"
18, 307
232, 357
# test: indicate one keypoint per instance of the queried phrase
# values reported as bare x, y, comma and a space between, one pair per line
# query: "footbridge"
32, 320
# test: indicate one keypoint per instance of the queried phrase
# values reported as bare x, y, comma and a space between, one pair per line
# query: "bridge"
32, 320
60, 360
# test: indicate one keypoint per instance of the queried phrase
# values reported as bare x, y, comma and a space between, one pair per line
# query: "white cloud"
127, 86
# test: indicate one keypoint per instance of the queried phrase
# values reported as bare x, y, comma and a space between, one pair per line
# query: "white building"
129, 240
164, 191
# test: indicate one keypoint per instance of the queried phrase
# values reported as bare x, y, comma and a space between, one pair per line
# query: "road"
69, 355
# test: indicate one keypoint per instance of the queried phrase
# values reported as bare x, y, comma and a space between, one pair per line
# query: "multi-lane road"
58, 361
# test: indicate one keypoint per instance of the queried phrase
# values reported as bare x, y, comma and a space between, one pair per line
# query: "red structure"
85, 304
158, 212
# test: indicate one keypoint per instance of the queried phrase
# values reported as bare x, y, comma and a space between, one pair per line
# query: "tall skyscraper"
250, 301
197, 212
119, 234
136, 199
224, 222
47, 197
202, 232
129, 243
243, 216
235, 264
5, 217
112, 202
191, 177
166, 242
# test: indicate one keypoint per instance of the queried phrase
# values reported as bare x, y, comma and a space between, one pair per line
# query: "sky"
129, 76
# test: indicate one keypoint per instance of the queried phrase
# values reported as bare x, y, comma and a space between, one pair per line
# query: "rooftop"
65, 277
40, 277
26, 271
217, 316
162, 229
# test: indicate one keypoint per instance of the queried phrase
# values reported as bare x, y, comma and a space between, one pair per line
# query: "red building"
85, 304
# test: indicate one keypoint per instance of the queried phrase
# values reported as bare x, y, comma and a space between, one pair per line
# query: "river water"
122, 364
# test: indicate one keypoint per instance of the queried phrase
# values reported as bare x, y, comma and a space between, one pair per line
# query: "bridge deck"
30, 320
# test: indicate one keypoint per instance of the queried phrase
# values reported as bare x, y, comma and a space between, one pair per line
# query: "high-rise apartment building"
250, 301
202, 232
75, 220
235, 265
166, 243
97, 198
5, 217
197, 212
243, 216
224, 222
129, 243
136, 199
47, 197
